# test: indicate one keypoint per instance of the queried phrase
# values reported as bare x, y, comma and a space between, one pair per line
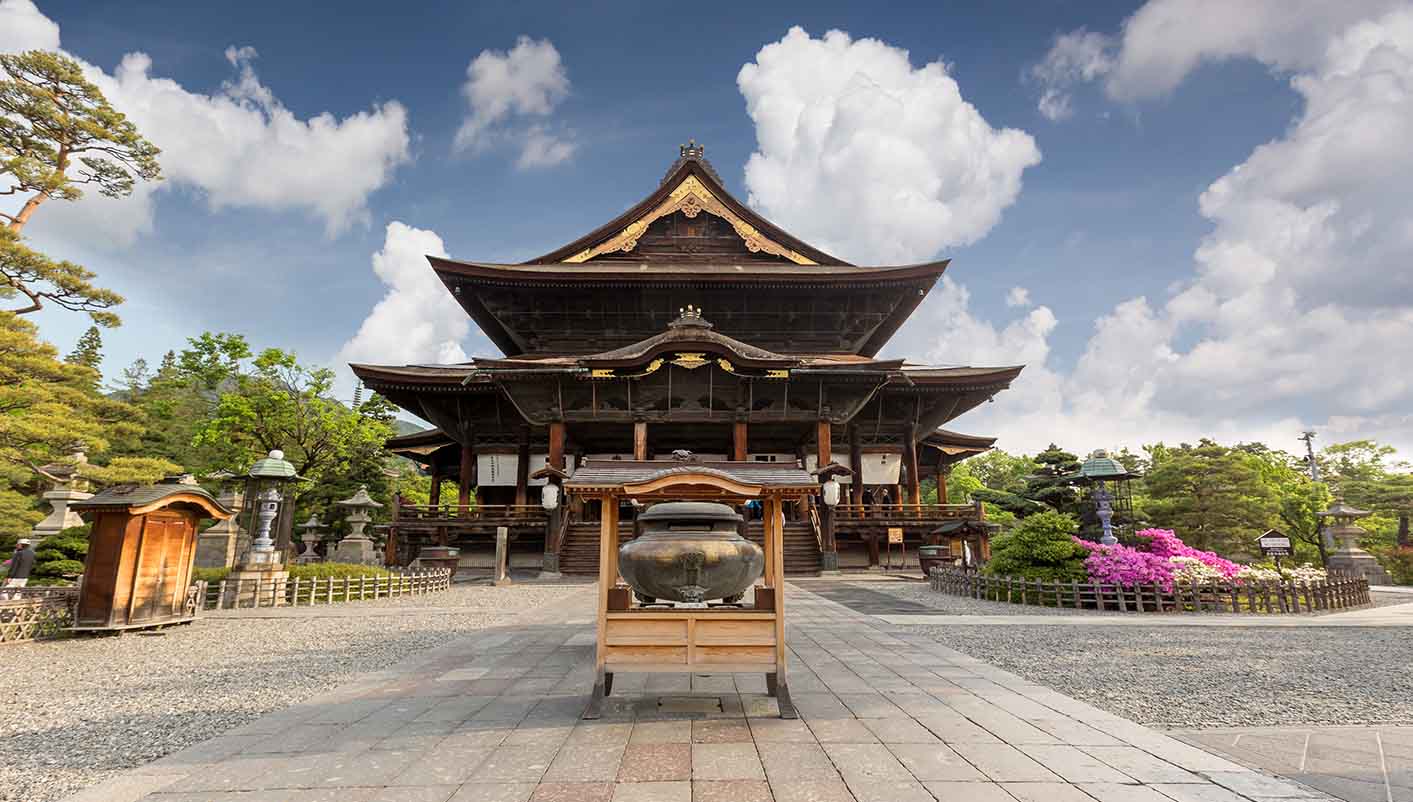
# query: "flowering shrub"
1164, 560
1165, 543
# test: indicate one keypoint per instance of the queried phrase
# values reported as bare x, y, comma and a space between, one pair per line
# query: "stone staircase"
580, 552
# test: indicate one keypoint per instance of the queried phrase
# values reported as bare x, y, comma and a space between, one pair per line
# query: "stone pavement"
1359, 764
886, 716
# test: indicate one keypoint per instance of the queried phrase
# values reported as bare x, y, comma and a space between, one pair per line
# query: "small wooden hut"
140, 555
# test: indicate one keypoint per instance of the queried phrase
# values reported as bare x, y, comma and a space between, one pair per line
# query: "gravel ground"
1206, 676
78, 710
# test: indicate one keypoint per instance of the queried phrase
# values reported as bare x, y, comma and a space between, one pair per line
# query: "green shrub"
326, 570
210, 576
1040, 547
1398, 562
59, 557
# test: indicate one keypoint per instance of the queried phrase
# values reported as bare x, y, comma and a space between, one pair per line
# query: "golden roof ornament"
692, 150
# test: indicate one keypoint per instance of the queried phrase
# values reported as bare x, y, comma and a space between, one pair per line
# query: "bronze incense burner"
690, 551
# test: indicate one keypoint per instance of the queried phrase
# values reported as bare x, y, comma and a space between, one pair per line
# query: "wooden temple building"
688, 323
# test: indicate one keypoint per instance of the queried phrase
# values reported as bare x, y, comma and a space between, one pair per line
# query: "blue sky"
1111, 212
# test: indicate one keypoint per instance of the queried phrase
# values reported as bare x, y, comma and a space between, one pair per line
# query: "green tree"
26, 272
59, 134
88, 351
1215, 497
1040, 546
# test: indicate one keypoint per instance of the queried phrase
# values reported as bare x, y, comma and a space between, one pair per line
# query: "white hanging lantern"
831, 492
549, 496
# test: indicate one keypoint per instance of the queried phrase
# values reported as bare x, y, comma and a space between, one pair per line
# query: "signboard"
498, 470
895, 534
1274, 544
878, 469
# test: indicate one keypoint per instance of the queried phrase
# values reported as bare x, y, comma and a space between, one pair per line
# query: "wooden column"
640, 440
466, 478
856, 485
434, 496
823, 444
942, 488
522, 468
738, 441
910, 465
608, 577
556, 445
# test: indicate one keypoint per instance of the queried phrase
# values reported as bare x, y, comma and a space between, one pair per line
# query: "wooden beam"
856, 485
556, 445
823, 444
640, 440
522, 468
738, 441
466, 478
910, 465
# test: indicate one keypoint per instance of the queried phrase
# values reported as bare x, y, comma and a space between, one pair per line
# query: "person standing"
20, 565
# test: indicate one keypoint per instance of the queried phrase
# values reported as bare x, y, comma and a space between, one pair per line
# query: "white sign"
498, 470
878, 469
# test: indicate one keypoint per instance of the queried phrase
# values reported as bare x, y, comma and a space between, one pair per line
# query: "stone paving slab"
1358, 764
886, 715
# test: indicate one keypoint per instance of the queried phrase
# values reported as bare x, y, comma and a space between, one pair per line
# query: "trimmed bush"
210, 576
326, 570
1041, 547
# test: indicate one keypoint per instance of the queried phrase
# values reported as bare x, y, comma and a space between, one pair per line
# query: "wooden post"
466, 477
910, 465
776, 683
556, 445
502, 574
738, 441
823, 444
608, 577
522, 468
434, 496
856, 484
640, 440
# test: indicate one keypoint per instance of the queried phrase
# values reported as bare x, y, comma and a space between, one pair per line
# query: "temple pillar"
738, 441
910, 465
556, 445
856, 485
434, 494
640, 440
522, 468
466, 476
823, 445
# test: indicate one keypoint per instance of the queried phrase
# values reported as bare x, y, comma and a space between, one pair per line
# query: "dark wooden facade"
686, 323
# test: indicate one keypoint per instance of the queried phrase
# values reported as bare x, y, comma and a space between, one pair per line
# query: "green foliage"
88, 351
59, 558
1398, 562
336, 570
210, 576
1214, 497
18, 514
40, 280
1040, 546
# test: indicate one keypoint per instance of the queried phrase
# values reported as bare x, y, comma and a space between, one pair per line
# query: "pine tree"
88, 351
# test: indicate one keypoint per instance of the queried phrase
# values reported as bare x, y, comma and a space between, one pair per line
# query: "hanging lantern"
549, 496
831, 492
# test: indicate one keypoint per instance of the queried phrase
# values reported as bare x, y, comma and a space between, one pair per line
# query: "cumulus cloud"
1300, 305
1079, 55
417, 320
1018, 296
509, 95
238, 147
870, 157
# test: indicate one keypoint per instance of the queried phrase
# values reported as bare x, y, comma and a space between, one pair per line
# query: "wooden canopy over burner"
692, 638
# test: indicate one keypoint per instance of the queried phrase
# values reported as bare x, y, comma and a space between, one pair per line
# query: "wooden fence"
242, 593
33, 613
1337, 593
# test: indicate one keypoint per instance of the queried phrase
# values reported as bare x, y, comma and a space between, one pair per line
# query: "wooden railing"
242, 593
468, 512
34, 613
906, 511
1337, 593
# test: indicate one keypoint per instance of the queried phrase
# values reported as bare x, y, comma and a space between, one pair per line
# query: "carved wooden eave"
691, 188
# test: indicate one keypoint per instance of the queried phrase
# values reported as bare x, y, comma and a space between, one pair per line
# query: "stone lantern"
69, 488
309, 536
358, 547
1348, 558
219, 546
1107, 482
269, 518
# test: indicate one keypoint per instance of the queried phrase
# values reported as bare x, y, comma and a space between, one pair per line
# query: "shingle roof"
123, 496
598, 473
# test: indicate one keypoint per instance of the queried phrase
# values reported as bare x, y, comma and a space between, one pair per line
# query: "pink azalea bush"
1164, 560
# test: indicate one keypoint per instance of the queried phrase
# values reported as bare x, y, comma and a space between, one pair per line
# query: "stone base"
216, 550
829, 562
1360, 564
550, 564
61, 517
359, 550
244, 581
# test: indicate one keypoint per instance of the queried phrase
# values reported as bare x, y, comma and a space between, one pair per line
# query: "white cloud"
1301, 303
504, 90
1018, 296
1079, 55
24, 27
870, 157
238, 147
417, 321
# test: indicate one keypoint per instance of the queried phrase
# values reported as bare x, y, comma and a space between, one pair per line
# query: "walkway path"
1359, 764
886, 715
